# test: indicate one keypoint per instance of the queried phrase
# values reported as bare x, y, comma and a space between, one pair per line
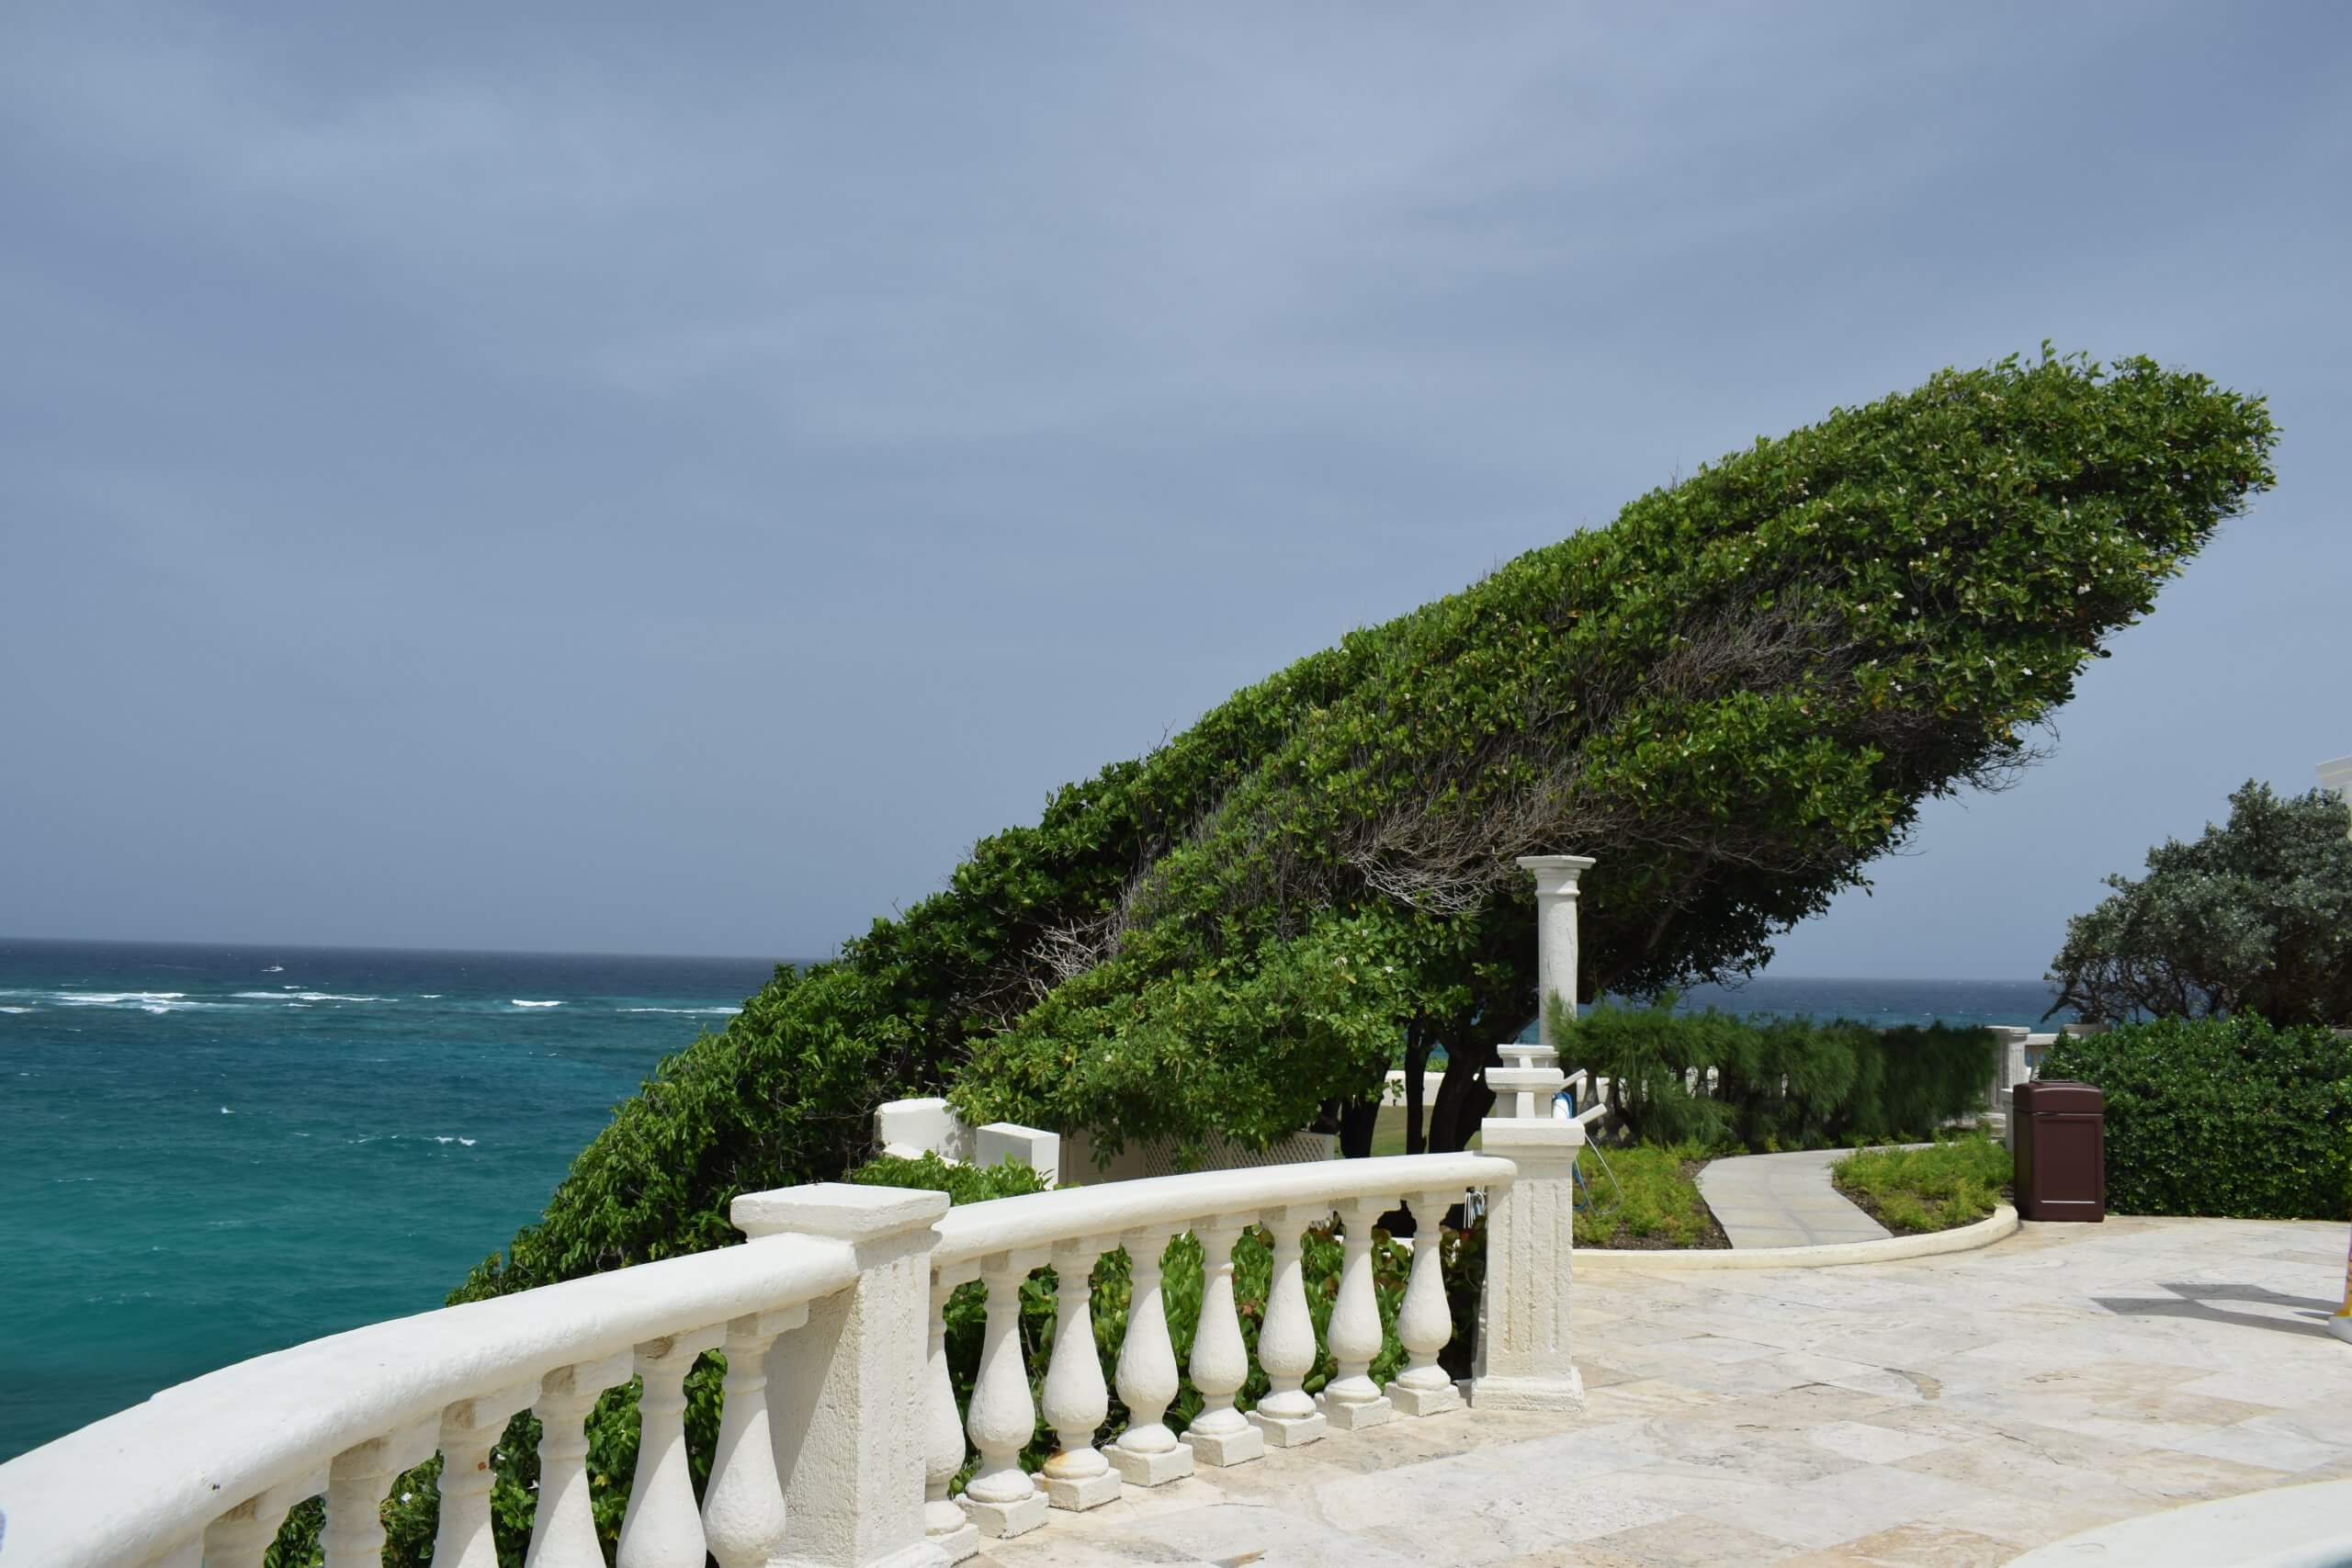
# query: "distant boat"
275, 969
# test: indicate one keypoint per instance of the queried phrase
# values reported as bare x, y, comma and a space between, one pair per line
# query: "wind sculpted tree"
2255, 916
1735, 697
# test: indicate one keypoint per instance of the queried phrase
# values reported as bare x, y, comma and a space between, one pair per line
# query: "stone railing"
830, 1317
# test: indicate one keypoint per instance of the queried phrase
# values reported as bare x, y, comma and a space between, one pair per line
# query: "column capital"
1556, 874
842, 1210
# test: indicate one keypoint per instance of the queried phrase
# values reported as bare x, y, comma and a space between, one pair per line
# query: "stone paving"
1954, 1410
1785, 1201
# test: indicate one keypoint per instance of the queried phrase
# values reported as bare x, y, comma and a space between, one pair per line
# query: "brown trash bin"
2061, 1151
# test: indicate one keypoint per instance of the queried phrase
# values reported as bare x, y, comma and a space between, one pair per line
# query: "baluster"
238, 1538
1425, 1322
1147, 1453
469, 1431
1077, 1477
944, 1524
356, 1482
1221, 1435
1000, 1499
1286, 1341
662, 1528
563, 1524
743, 1507
1353, 1401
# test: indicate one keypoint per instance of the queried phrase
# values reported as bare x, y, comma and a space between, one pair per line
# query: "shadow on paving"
2194, 1299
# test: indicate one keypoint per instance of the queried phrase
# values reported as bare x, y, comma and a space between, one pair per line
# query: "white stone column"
470, 1430
944, 1524
1147, 1453
1425, 1322
1077, 1401
744, 1518
1286, 1340
1001, 1498
356, 1482
1523, 1340
1353, 1401
1555, 933
1221, 1435
239, 1537
841, 1389
662, 1528
563, 1526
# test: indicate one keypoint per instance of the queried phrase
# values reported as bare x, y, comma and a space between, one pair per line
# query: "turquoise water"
210, 1153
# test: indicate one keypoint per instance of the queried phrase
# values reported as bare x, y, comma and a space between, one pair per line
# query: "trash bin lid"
2063, 1095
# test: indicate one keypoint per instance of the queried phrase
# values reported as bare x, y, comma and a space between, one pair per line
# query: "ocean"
208, 1153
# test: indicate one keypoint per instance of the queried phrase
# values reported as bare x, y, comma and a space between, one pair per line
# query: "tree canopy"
2255, 916
1736, 695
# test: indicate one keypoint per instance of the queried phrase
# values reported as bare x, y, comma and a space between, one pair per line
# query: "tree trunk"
1356, 1125
1417, 1064
1463, 1099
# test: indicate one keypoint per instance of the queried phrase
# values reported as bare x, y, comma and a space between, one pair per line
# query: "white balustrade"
1000, 1497
833, 1322
744, 1516
1147, 1453
1425, 1323
1353, 1402
1221, 1435
664, 1527
563, 1524
1076, 1476
944, 1524
470, 1430
1287, 1416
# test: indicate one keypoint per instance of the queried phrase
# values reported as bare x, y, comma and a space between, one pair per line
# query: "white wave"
116, 998
428, 996
521, 1003
697, 1012
468, 1142
275, 969
297, 1007
287, 994
226, 1112
19, 1009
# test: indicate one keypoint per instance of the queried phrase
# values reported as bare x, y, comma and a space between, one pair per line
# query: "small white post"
1147, 1453
1555, 933
1353, 1402
1425, 1322
1523, 1342
1077, 1401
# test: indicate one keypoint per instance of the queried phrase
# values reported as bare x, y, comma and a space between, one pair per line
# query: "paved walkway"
1953, 1410
1783, 1200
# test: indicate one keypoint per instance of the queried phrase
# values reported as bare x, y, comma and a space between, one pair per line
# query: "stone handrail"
832, 1318
205, 1471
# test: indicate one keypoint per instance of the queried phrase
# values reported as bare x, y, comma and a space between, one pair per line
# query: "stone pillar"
1555, 933
1523, 1342
844, 1391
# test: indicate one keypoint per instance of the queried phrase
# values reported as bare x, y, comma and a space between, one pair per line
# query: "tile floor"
1951, 1411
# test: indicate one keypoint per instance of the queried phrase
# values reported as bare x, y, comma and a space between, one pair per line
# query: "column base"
1001, 1521
1528, 1393
1355, 1417
930, 1552
1288, 1431
1151, 1469
1083, 1492
1435, 1401
1222, 1449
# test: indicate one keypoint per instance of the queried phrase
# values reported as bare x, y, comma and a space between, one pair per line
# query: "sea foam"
694, 1012
521, 1003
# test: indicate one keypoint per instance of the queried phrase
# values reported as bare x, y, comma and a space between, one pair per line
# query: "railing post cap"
1555, 873
844, 1211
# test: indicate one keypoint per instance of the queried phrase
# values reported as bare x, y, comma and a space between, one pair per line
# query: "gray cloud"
596, 478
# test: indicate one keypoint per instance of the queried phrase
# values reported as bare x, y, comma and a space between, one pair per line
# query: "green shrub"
1762, 1083
1955, 1182
1644, 1196
2229, 1116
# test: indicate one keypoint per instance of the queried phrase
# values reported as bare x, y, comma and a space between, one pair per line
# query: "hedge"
2224, 1116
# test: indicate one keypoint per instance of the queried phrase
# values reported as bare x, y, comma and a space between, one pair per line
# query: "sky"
619, 479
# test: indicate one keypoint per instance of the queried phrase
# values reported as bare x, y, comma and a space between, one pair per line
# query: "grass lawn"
1910, 1191
1643, 1197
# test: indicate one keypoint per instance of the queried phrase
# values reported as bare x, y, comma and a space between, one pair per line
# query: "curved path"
1785, 1201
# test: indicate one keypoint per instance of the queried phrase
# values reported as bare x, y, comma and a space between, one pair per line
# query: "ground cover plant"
1644, 1196
1954, 1182
2230, 1116
1739, 691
